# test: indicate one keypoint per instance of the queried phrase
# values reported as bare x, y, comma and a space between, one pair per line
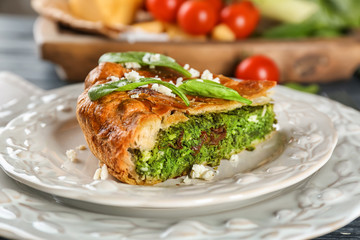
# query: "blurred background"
19, 53
58, 45
51, 55
22, 7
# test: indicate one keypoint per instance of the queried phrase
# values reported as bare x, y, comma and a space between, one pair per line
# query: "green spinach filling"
205, 139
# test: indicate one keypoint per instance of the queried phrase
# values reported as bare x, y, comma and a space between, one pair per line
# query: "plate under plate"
33, 147
327, 200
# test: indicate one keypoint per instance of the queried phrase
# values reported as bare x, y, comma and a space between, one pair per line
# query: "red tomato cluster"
199, 17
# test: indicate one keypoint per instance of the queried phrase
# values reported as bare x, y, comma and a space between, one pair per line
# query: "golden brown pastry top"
247, 88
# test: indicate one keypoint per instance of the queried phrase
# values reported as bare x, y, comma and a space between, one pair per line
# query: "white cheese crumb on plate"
71, 155
101, 173
81, 147
202, 172
187, 180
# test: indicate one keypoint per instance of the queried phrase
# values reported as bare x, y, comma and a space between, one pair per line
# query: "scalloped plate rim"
173, 203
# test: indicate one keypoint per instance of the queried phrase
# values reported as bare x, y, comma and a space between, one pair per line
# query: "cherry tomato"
164, 10
197, 17
242, 18
217, 5
257, 67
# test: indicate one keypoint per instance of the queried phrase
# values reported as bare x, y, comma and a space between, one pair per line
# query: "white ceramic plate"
33, 147
324, 202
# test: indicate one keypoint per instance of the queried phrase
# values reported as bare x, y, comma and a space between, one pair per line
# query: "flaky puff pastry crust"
116, 124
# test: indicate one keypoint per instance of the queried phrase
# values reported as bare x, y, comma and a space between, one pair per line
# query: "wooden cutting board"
308, 60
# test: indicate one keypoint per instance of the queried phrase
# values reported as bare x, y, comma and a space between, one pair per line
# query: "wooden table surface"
18, 54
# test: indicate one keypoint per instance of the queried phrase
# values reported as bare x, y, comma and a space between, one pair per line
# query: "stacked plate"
301, 183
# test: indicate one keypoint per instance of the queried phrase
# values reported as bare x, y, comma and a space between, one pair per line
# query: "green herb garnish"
312, 88
207, 88
101, 90
144, 59
194, 87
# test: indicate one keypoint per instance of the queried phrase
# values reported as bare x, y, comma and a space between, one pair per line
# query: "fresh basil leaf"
312, 88
207, 88
101, 90
142, 59
98, 91
210, 82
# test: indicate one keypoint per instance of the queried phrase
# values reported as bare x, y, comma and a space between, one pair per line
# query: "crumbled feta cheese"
234, 160
264, 111
162, 89
150, 58
113, 78
194, 73
202, 172
101, 173
104, 172
171, 82
186, 66
146, 58
216, 80
207, 75
253, 118
133, 76
208, 175
71, 155
134, 65
179, 81
97, 174
187, 180
81, 147
135, 96
155, 57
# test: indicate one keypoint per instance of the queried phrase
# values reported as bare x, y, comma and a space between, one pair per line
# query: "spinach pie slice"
146, 131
